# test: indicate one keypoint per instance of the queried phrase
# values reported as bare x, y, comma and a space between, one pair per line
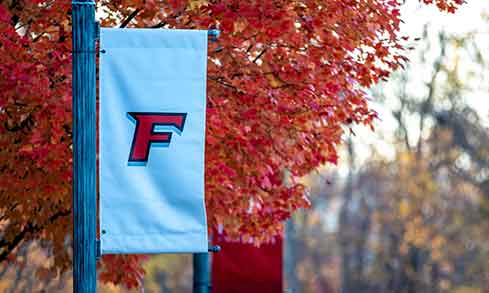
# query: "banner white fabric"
152, 135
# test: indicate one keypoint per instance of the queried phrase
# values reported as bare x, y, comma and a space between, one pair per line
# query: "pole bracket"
214, 248
98, 250
97, 30
82, 3
213, 34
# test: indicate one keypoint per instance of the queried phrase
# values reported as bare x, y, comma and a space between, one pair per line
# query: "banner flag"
152, 135
243, 268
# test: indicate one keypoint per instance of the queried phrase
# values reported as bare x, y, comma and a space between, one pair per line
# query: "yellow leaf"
404, 209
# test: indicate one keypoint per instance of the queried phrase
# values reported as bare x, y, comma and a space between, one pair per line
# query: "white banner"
152, 128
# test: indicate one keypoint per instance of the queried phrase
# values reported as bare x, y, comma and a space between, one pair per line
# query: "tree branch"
218, 80
159, 25
11, 208
29, 229
130, 17
259, 55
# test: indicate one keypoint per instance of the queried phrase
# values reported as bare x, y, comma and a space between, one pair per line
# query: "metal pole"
84, 147
201, 272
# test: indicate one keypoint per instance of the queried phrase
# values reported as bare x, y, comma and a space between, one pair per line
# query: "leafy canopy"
283, 80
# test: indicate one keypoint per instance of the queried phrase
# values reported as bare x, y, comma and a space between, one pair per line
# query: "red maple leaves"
284, 79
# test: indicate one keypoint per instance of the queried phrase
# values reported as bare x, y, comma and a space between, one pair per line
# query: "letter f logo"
146, 132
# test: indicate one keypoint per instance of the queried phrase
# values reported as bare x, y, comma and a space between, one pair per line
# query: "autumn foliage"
284, 79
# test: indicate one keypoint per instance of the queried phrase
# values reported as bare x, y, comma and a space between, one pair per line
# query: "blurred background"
407, 210
407, 207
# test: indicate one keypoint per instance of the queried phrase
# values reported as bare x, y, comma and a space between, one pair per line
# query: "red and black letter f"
146, 133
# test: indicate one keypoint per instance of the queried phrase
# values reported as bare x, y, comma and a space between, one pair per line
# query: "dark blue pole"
84, 147
201, 272
200, 261
202, 282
